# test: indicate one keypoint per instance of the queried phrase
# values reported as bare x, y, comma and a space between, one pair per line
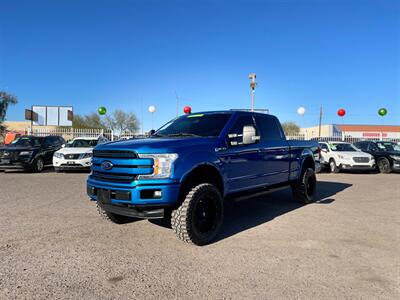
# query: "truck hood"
158, 145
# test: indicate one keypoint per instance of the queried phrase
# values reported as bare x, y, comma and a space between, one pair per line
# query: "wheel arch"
202, 173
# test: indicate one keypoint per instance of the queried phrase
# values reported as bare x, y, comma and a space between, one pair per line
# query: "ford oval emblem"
107, 165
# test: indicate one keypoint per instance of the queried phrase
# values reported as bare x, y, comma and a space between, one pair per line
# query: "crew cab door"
274, 154
241, 160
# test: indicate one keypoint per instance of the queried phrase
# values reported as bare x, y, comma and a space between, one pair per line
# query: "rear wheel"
384, 165
199, 218
305, 188
114, 218
333, 167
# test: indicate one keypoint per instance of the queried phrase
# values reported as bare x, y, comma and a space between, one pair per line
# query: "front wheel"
199, 218
305, 188
333, 167
384, 165
38, 165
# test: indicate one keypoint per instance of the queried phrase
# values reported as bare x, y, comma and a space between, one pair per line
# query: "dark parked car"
386, 154
31, 153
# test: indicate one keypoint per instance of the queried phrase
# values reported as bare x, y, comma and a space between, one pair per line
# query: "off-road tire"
114, 218
384, 165
202, 206
304, 189
333, 167
38, 165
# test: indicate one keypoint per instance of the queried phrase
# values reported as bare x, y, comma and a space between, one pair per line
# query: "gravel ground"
346, 246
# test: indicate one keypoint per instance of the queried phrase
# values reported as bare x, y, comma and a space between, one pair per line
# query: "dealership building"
355, 131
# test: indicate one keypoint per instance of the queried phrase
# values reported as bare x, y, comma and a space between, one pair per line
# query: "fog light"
150, 194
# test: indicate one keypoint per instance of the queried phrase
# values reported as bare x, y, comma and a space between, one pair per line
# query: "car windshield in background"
27, 142
388, 146
201, 125
82, 144
343, 147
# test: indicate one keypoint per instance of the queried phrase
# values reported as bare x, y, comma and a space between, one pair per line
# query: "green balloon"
102, 110
382, 111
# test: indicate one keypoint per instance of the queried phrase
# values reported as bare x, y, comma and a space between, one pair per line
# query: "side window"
372, 147
52, 141
361, 146
269, 128
237, 129
324, 147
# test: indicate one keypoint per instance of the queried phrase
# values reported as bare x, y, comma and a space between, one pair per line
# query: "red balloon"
341, 112
187, 109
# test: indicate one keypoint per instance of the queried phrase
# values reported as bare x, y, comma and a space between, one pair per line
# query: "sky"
132, 54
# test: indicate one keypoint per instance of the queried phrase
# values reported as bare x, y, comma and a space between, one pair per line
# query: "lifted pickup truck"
187, 168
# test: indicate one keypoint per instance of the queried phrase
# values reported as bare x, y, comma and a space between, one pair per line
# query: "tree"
121, 121
290, 128
5, 101
91, 120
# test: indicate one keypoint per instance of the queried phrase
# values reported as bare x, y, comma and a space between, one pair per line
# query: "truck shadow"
243, 215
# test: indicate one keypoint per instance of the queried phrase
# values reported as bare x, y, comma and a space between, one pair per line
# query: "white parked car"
344, 156
77, 154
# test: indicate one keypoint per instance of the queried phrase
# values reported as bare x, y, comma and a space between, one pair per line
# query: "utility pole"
253, 84
320, 122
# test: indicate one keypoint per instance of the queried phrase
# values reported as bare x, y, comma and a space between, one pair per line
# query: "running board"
258, 192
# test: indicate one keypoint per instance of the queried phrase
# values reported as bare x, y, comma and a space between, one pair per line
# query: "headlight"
58, 155
26, 153
162, 166
395, 157
87, 155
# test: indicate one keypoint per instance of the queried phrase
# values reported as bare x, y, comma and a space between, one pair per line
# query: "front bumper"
15, 165
358, 167
72, 168
137, 201
72, 164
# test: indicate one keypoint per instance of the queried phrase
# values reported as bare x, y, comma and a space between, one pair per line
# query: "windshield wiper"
183, 134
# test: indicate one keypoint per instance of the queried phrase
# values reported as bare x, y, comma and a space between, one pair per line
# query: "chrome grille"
121, 154
361, 159
71, 156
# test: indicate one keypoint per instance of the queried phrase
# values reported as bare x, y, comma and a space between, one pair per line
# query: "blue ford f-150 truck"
187, 168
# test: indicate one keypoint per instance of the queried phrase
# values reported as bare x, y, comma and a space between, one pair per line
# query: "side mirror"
324, 150
63, 146
151, 132
249, 135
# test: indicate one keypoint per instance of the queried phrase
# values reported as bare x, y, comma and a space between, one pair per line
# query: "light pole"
253, 84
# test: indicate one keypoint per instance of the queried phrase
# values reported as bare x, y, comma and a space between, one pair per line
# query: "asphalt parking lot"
346, 246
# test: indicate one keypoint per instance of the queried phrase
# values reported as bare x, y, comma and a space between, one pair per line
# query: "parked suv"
77, 154
31, 153
344, 156
187, 168
387, 154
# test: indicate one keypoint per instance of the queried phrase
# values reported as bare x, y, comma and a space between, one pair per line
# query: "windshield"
82, 144
343, 147
202, 125
388, 146
27, 141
